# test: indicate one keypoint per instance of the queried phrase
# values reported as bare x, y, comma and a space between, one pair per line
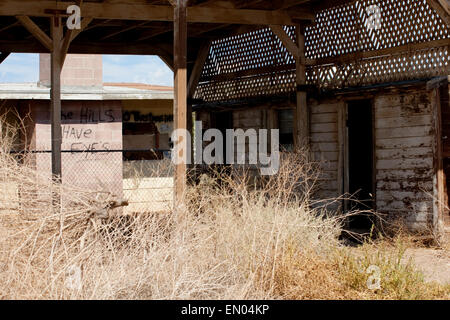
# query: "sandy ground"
434, 263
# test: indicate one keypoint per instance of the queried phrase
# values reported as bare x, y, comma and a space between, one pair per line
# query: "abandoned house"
107, 128
362, 84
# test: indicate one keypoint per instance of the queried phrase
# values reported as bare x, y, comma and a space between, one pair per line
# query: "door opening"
360, 166
223, 121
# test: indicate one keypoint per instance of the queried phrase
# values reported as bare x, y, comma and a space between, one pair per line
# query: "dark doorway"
360, 162
223, 121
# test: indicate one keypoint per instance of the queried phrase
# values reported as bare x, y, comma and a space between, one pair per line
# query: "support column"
55, 95
180, 90
301, 124
194, 79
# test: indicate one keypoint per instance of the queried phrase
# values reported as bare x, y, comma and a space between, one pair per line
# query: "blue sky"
21, 67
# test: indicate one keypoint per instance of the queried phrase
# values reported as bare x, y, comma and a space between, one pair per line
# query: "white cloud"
142, 69
20, 67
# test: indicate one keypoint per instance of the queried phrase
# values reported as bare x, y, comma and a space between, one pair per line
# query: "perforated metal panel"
257, 64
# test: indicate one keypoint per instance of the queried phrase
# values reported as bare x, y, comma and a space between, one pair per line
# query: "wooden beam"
241, 16
180, 92
251, 72
9, 26
154, 33
301, 121
122, 30
70, 36
286, 40
327, 4
345, 58
36, 31
194, 78
86, 48
146, 12
55, 95
168, 60
285, 4
3, 56
198, 68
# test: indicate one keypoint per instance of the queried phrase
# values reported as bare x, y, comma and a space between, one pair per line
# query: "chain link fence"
143, 178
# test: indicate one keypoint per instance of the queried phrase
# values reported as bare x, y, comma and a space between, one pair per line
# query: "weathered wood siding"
403, 141
404, 157
325, 147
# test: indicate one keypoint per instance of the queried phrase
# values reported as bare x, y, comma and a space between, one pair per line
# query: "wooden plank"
410, 142
351, 57
324, 108
404, 153
255, 123
403, 111
180, 91
70, 36
419, 206
418, 196
147, 12
324, 127
326, 156
325, 146
328, 175
328, 186
87, 48
323, 118
324, 137
123, 30
198, 68
401, 185
55, 95
398, 122
404, 174
383, 164
34, 29
301, 114
419, 131
326, 195
329, 166
243, 16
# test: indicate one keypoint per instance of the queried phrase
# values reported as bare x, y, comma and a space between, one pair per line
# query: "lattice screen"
229, 72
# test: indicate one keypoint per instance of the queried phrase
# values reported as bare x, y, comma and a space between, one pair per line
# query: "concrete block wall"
78, 70
86, 126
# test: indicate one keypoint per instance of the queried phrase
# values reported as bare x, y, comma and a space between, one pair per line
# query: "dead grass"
228, 241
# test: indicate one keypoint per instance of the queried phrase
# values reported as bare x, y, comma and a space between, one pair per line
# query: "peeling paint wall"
404, 157
403, 149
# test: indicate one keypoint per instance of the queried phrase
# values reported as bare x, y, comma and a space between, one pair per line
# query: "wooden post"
301, 124
194, 79
180, 90
55, 95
